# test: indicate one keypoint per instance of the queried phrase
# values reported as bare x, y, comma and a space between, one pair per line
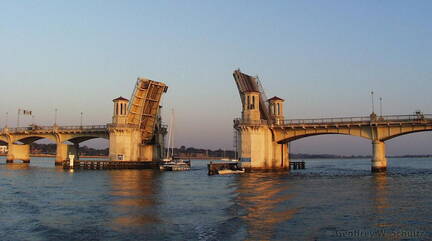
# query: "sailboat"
170, 162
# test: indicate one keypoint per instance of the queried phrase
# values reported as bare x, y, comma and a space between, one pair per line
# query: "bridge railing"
324, 120
90, 127
342, 120
240, 121
123, 125
51, 128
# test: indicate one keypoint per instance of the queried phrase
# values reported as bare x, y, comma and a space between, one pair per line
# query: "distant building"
3, 149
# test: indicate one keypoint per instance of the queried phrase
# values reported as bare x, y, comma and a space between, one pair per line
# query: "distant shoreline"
220, 158
51, 155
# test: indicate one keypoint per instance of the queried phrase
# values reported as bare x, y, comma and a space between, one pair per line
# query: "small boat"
170, 162
175, 164
225, 168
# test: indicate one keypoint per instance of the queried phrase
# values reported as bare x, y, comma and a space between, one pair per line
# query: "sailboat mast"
170, 129
172, 134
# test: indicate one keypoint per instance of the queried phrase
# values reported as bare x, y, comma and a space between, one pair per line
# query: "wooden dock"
106, 164
297, 165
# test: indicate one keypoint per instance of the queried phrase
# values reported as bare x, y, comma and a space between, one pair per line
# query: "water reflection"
17, 166
263, 197
134, 199
380, 198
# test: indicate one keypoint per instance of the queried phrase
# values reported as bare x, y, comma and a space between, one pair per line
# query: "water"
330, 200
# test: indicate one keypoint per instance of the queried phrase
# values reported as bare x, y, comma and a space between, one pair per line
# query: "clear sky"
322, 57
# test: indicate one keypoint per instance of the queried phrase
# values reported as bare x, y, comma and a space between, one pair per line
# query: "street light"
6, 119
18, 118
81, 119
55, 116
380, 99
373, 106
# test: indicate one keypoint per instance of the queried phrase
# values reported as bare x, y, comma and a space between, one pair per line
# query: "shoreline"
220, 158
51, 155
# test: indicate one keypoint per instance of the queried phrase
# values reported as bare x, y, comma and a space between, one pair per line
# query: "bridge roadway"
374, 128
19, 139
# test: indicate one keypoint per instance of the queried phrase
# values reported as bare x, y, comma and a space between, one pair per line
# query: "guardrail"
52, 128
123, 125
240, 121
342, 120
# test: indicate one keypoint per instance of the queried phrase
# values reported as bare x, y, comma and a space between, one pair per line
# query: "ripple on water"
327, 198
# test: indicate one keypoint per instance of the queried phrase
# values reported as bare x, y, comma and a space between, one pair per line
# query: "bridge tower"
276, 109
251, 110
120, 110
257, 147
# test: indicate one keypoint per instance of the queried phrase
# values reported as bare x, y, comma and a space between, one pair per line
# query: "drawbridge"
144, 107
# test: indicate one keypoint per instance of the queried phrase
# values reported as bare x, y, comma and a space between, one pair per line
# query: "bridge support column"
61, 154
77, 153
146, 152
18, 152
285, 161
379, 160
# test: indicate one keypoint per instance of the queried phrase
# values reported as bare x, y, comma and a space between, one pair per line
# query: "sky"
322, 57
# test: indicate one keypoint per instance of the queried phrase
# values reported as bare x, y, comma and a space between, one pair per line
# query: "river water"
330, 200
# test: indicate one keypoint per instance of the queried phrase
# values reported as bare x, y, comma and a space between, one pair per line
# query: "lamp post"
55, 116
18, 118
380, 99
373, 104
81, 119
6, 119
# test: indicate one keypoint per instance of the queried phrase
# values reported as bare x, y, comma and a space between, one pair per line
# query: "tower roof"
120, 98
275, 98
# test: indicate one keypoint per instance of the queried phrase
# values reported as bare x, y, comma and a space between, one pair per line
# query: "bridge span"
135, 134
264, 135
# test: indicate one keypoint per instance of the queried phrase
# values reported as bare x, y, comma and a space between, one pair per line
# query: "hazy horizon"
322, 58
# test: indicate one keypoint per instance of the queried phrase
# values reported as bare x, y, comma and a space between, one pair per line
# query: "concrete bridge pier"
18, 152
280, 158
61, 154
76, 149
379, 160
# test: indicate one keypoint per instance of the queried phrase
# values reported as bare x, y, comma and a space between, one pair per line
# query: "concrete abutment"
258, 150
